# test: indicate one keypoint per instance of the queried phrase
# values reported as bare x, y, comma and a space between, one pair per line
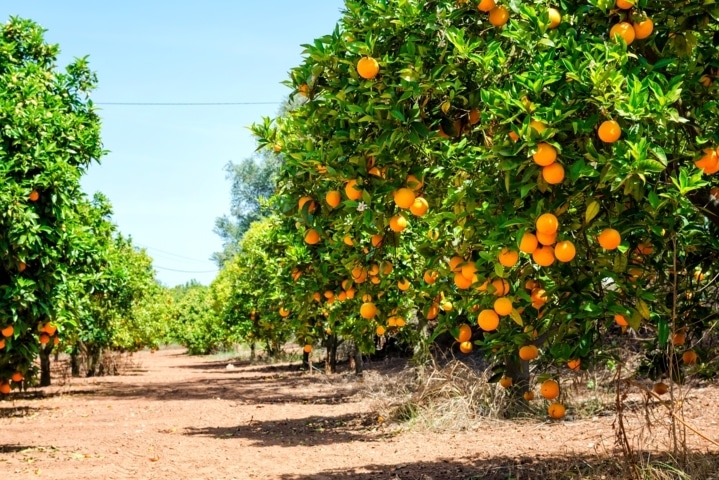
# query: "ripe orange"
689, 357
455, 262
401, 322
2, 343
621, 320
430, 276
498, 16
465, 333
312, 237
17, 377
643, 29
351, 190
333, 198
501, 287
387, 267
503, 306
609, 131
306, 199
679, 339
284, 312
304, 90
462, 282
528, 396
609, 239
538, 126
706, 81
307, 348
368, 310
329, 294
553, 174
546, 238
709, 163
414, 183
624, 30
574, 364
505, 382
545, 155
351, 293
528, 352
377, 240
543, 256
550, 389
7, 331
433, 311
474, 116
44, 339
660, 388
465, 347
368, 68
342, 296
21, 266
404, 198
488, 320
397, 223
624, 4
403, 284
508, 257
419, 207
645, 248
555, 18
565, 251
556, 411
547, 223
538, 295
469, 270
359, 274
347, 240
380, 330
4, 388
316, 296
528, 243
513, 135
34, 196
486, 5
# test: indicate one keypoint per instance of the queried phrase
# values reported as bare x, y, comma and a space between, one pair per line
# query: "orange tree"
566, 152
49, 136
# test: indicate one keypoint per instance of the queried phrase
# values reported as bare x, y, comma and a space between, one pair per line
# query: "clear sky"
164, 173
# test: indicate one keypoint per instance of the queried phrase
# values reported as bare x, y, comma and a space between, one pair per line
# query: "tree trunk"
45, 378
358, 361
305, 361
331, 363
75, 362
518, 370
93, 358
253, 346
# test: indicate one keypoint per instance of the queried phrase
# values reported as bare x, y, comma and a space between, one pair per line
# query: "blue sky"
165, 171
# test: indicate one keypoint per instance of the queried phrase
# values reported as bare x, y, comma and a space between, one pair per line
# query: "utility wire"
185, 271
182, 104
173, 254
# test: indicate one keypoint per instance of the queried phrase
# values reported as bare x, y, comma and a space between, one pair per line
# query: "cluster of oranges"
631, 30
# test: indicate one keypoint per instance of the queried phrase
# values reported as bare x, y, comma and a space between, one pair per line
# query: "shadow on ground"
309, 431
700, 466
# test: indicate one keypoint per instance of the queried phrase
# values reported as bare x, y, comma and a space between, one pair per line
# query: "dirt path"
181, 417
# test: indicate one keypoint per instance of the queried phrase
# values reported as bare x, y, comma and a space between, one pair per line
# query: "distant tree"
253, 181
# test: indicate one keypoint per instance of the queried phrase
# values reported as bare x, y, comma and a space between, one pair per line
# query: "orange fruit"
545, 155
609, 239
503, 306
546, 238
531, 284
380, 330
624, 4
553, 174
574, 364
403, 284
401, 322
284, 312
505, 382
498, 16
643, 29
455, 262
462, 282
351, 191
555, 18
468, 270
397, 223
645, 248
312, 237
474, 116
679, 339
538, 126
547, 223
465, 347
624, 30
539, 295
34, 196
307, 348
368, 68
488, 320
21, 266
528, 396
304, 90
419, 207
17, 377
347, 240
368, 310
430, 276
2, 343
465, 333
342, 296
414, 183
377, 240
501, 287
333, 198
706, 81
359, 274
508, 257
609, 131
528, 352
528, 243
404, 198
565, 251
621, 320
304, 200
689, 357
543, 256
316, 296
660, 388
513, 135
7, 331
556, 411
433, 311
44, 339
447, 306
709, 162
549, 389
486, 5
4, 388
351, 293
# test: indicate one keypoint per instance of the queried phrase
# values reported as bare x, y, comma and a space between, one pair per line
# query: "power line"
173, 254
182, 104
185, 271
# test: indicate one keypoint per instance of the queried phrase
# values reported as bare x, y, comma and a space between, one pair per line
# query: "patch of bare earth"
180, 417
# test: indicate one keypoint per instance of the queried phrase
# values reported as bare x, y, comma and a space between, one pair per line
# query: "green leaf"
591, 212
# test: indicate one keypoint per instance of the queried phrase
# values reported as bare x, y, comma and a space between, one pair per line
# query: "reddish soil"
179, 417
